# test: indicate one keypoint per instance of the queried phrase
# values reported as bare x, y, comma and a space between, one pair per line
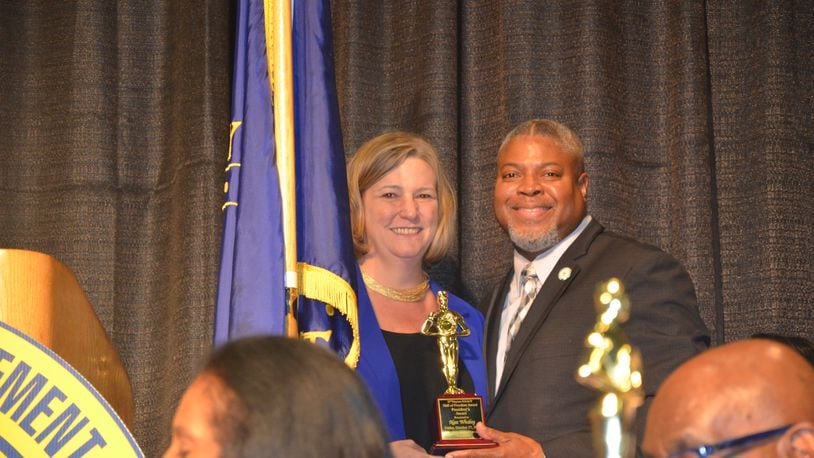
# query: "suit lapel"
548, 295
492, 330
561, 277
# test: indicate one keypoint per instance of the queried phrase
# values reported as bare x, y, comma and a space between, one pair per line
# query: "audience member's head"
804, 346
753, 397
276, 397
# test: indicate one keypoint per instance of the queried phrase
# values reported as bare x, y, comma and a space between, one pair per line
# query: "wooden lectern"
41, 297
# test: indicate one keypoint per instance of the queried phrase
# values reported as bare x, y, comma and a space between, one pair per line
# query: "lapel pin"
565, 273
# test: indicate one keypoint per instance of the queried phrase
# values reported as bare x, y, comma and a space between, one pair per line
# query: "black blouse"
418, 364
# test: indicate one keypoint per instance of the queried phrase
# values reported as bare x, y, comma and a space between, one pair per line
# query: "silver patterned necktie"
528, 290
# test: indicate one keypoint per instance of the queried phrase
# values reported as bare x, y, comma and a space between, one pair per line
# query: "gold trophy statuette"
613, 367
455, 412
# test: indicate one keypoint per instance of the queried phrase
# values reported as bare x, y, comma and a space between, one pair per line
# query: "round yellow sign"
47, 409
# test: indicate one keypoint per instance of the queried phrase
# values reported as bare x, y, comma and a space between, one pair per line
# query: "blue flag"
251, 298
324, 242
251, 288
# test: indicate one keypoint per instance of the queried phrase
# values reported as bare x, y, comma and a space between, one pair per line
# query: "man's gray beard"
534, 243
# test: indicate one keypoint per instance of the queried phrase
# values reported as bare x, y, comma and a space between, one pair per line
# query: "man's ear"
798, 441
582, 183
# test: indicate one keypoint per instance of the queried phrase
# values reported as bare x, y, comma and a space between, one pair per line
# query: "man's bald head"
731, 391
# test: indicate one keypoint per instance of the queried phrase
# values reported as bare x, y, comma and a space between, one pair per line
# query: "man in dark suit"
538, 317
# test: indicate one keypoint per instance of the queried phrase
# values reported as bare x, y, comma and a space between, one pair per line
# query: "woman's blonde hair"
378, 157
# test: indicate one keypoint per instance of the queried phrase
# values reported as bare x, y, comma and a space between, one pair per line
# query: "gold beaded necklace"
414, 294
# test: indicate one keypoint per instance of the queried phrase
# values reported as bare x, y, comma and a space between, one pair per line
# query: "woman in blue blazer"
403, 215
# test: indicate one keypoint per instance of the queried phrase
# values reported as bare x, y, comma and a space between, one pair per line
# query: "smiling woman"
403, 214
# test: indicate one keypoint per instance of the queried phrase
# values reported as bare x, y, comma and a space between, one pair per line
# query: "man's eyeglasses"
736, 445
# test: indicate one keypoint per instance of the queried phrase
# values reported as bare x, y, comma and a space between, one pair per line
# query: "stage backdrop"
696, 116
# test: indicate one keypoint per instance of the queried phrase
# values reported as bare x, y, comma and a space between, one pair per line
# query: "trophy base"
456, 416
444, 446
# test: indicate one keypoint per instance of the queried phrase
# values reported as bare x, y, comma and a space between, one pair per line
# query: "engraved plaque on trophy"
455, 412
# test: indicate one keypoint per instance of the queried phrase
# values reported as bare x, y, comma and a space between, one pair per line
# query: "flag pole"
278, 34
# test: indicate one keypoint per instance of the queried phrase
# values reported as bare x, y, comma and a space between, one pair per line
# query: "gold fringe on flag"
325, 286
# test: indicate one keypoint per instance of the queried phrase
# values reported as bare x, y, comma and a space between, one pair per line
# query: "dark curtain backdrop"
697, 118
115, 126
